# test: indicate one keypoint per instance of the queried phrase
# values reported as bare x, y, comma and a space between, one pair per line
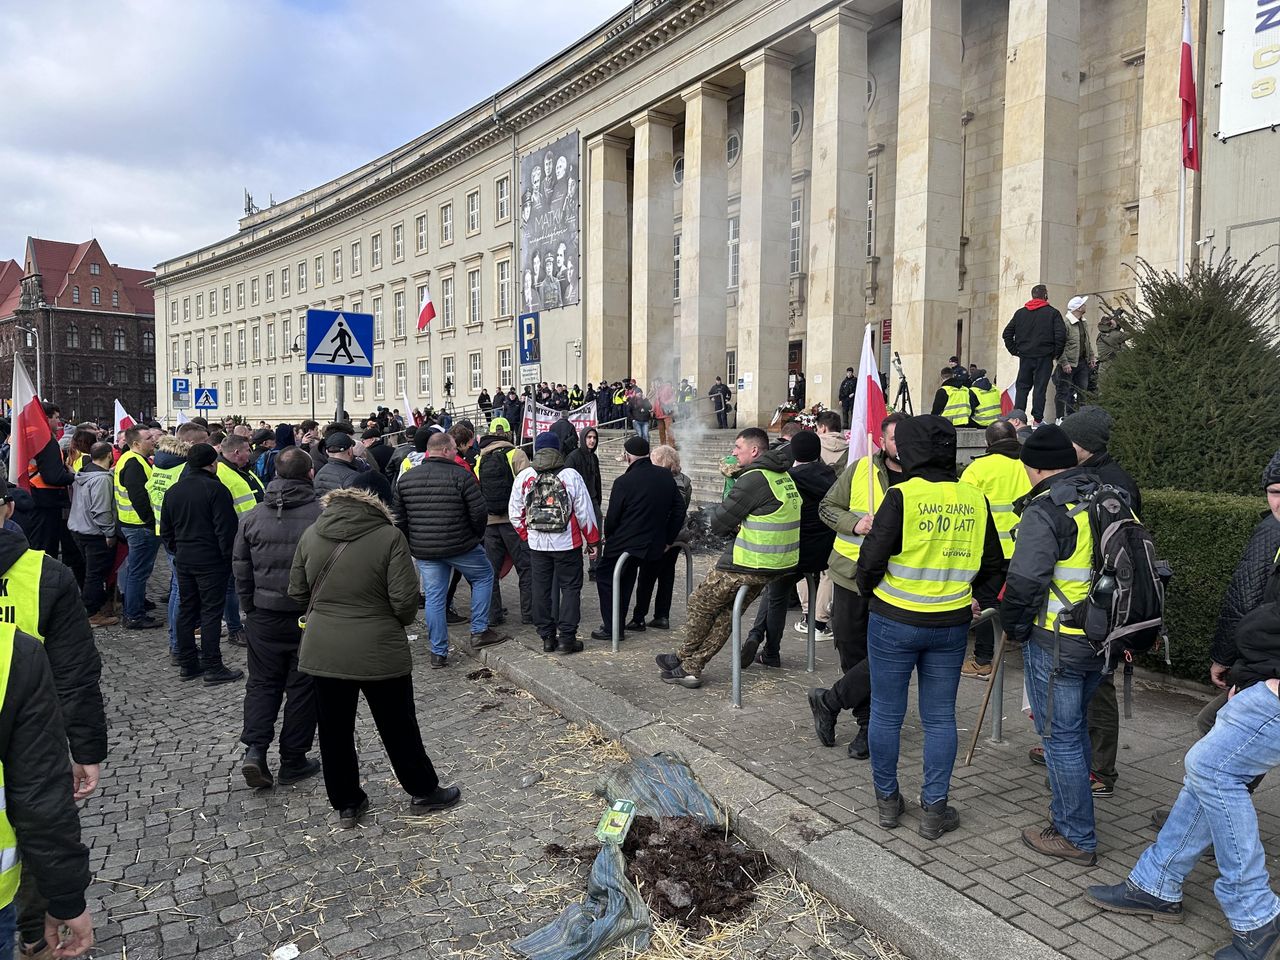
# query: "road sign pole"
341, 394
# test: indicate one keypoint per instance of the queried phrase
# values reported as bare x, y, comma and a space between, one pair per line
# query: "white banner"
538, 419
1249, 95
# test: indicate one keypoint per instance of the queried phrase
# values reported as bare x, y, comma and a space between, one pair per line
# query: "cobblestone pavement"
190, 861
998, 796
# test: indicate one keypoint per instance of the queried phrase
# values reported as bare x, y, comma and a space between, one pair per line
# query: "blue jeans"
1067, 750
8, 928
1215, 807
642, 429
173, 603
894, 651
435, 574
143, 546
231, 613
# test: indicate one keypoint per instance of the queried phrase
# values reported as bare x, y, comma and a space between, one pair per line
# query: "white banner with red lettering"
538, 418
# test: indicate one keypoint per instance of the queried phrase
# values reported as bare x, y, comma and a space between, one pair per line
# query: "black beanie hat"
1272, 472
806, 447
201, 455
1049, 448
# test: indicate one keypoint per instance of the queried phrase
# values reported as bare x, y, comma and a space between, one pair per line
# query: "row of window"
119, 341
98, 373
95, 296
311, 271
248, 387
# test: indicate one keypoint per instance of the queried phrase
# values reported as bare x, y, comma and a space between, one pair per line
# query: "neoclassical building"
733, 188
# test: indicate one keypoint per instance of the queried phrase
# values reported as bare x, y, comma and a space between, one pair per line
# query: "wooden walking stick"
986, 699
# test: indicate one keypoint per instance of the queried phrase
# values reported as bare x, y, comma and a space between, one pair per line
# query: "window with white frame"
213, 302
95, 341
420, 225
337, 265
302, 276
286, 338
675, 268
871, 214
731, 368
375, 251
503, 278
502, 198
402, 382
398, 313
473, 296
797, 235
397, 243
271, 287
241, 353
226, 299
734, 266
505, 369
424, 378
75, 298
257, 389
173, 307
95, 296
288, 389
284, 281
446, 223
473, 212
271, 390
239, 298
322, 388
379, 381
450, 371
95, 269
422, 295
199, 346
213, 347
304, 387
173, 354
257, 344
186, 309
199, 305
446, 302
358, 387
271, 341
477, 371
319, 274
244, 393
377, 319
355, 258
226, 348
227, 394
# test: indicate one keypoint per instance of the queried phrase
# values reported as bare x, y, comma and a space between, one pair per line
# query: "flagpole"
1182, 222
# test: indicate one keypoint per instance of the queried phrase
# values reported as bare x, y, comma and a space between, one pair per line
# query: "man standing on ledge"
1035, 335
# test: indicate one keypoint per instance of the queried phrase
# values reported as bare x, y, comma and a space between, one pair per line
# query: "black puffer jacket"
68, 643
1036, 332
266, 542
37, 780
439, 507
334, 474
1248, 587
813, 480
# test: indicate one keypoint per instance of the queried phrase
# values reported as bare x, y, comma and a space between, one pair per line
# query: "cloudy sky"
141, 122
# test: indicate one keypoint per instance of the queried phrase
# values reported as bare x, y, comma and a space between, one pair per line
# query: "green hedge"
1203, 536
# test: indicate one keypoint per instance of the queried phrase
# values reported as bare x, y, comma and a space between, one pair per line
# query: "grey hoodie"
93, 503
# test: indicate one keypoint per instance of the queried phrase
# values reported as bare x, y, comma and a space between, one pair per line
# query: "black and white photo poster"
549, 207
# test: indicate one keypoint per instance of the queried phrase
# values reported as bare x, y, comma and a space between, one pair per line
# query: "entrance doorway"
795, 365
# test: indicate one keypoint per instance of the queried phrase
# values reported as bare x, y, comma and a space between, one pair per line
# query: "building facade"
734, 188
94, 323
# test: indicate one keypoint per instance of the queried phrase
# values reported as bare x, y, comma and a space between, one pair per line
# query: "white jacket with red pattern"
582, 527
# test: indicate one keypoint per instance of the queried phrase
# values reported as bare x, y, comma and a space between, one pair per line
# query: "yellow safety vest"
957, 408
771, 541
1004, 480
20, 594
412, 460
158, 484
124, 505
988, 406
10, 868
944, 526
850, 544
1071, 576
243, 497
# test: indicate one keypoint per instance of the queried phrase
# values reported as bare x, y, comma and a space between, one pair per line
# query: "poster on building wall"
1249, 96
549, 226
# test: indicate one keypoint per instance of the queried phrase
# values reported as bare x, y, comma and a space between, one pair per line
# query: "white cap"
1075, 303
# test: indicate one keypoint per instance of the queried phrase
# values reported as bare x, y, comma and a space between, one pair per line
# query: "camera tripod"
902, 399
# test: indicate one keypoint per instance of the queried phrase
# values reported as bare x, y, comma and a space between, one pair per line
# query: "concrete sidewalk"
978, 892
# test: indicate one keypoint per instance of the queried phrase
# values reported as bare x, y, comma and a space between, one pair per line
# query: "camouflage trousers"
709, 622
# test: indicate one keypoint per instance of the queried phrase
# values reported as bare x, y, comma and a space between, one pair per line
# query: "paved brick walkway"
998, 796
189, 861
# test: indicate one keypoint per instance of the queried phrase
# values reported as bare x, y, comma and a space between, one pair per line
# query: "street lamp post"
187, 371
35, 338
296, 350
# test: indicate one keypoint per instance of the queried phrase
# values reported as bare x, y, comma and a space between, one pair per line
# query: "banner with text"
1249, 95
549, 226
538, 419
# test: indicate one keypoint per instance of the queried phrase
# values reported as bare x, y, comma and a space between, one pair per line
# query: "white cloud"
142, 121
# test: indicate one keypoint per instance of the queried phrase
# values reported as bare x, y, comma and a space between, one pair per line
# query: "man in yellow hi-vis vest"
246, 493
137, 526
763, 509
952, 401
932, 549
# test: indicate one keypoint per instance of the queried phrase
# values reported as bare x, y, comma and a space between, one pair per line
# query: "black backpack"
496, 477
547, 506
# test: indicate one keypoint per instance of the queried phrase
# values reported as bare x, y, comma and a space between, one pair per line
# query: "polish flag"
427, 311
1009, 399
868, 403
123, 420
1187, 94
31, 431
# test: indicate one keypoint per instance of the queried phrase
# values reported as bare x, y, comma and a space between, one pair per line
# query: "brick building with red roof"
95, 322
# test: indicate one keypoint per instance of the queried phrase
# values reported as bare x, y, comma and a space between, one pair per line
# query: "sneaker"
679, 676
1260, 944
1036, 755
634, 624
821, 629
975, 670
238, 638
254, 769
802, 626
667, 661
348, 818
297, 772
1053, 844
103, 620
859, 749
439, 661
489, 638
660, 623
1126, 898
604, 635
890, 809
220, 675
442, 798
769, 660
750, 647
453, 616
1100, 788
824, 718
143, 623
937, 818
569, 645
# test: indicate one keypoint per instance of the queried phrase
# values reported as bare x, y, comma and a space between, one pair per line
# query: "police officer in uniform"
246, 493
932, 547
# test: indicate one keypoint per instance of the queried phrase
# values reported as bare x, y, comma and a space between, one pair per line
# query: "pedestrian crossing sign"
206, 398
340, 343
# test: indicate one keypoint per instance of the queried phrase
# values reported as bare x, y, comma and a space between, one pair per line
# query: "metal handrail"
616, 624
812, 580
739, 601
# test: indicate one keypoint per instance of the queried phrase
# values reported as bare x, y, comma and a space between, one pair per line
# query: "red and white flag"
1009, 399
427, 311
1187, 94
30, 427
868, 403
123, 420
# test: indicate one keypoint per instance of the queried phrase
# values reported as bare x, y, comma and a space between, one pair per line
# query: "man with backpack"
551, 511
497, 467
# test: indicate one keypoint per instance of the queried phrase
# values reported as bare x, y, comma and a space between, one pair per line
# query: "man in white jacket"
551, 510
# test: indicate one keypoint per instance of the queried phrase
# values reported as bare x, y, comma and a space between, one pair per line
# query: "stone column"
1161, 145
1038, 183
704, 237
652, 249
763, 293
926, 233
838, 210
607, 343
